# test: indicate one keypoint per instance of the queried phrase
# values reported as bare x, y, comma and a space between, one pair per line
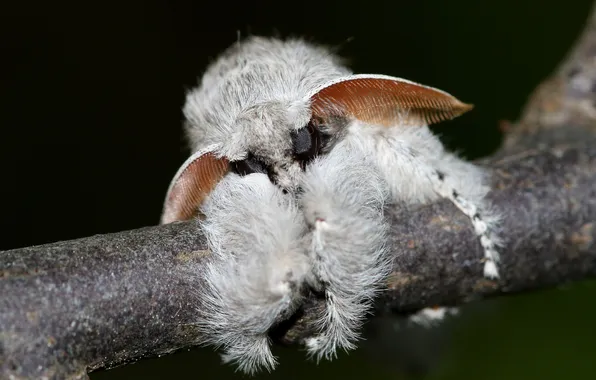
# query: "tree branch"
75, 306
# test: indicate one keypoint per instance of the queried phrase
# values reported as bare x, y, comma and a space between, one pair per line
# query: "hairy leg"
257, 268
342, 200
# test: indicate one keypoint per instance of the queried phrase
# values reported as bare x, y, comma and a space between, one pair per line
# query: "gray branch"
71, 307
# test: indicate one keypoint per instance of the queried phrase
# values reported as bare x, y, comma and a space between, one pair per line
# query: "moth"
294, 160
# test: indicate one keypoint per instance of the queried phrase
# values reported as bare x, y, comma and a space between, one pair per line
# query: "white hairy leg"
418, 170
343, 201
253, 231
431, 316
480, 221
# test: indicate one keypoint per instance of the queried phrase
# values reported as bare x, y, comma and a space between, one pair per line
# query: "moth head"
267, 131
282, 139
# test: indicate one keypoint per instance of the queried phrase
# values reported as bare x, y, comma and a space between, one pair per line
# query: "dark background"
91, 136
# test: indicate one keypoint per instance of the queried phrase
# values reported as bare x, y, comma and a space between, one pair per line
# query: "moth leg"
479, 222
432, 316
343, 200
256, 269
418, 170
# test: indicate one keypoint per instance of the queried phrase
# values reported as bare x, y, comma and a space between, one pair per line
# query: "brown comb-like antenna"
195, 179
385, 100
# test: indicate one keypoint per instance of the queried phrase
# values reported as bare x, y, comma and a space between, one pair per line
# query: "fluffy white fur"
343, 203
418, 169
254, 95
253, 231
432, 316
267, 244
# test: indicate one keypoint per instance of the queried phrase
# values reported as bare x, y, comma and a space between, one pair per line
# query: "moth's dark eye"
306, 142
302, 142
249, 165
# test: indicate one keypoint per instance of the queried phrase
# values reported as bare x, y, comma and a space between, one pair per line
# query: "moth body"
294, 160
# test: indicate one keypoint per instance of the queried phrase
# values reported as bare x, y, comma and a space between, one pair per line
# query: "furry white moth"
294, 160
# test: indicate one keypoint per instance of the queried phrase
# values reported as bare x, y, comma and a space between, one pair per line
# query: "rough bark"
71, 307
